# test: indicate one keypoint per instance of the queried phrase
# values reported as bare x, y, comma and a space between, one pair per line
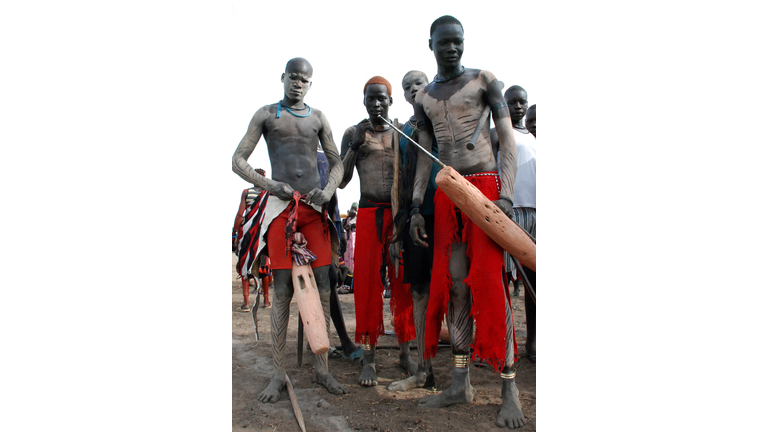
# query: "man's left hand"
318, 197
505, 206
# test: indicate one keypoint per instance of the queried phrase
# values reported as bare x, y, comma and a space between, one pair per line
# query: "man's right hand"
418, 231
359, 138
284, 191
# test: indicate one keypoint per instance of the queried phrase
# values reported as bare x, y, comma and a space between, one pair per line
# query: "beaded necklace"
280, 104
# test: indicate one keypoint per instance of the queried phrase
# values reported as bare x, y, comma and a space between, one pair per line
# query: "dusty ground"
363, 409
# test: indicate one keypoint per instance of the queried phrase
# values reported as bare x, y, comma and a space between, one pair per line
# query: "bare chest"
376, 155
465, 104
291, 127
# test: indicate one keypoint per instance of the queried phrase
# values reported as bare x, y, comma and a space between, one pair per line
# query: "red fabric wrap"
486, 269
370, 254
310, 223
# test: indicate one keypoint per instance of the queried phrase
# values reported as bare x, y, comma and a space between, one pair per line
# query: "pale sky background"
118, 121
387, 42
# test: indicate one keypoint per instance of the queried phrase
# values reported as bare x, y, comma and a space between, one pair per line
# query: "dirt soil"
363, 409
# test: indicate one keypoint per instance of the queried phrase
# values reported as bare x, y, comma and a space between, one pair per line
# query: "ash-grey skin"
292, 145
451, 110
374, 160
412, 83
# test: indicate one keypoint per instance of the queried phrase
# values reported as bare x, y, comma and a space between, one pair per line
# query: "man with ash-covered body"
467, 273
291, 129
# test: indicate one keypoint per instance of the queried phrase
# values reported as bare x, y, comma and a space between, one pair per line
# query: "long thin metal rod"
436, 160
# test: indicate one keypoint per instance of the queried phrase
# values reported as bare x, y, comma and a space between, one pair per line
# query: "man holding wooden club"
468, 266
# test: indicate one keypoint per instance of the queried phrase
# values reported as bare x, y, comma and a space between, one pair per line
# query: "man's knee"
420, 291
322, 279
282, 285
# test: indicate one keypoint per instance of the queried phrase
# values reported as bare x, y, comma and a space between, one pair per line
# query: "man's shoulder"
267, 109
265, 112
486, 75
318, 113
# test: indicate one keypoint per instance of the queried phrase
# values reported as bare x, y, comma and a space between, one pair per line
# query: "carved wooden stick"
396, 192
310, 309
484, 213
489, 217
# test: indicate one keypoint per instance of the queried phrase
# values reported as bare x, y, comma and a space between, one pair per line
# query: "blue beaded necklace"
280, 104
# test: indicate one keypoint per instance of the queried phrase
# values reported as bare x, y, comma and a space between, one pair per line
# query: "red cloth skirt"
371, 255
485, 279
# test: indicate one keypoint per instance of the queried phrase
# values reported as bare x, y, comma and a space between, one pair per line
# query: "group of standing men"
450, 266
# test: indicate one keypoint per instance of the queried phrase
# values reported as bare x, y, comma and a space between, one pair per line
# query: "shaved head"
415, 73
513, 89
517, 102
445, 19
300, 65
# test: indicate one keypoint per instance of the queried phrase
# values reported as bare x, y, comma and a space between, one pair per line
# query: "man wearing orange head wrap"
368, 146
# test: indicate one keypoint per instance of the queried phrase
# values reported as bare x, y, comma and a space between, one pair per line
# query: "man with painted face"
295, 202
417, 260
369, 147
468, 267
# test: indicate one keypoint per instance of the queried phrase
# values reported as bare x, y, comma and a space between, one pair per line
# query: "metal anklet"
460, 360
509, 375
367, 343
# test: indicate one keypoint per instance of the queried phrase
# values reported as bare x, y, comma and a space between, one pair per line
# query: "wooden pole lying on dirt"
295, 403
482, 211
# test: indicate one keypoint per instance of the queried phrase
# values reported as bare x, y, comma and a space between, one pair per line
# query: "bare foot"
271, 394
460, 391
421, 379
511, 413
368, 375
330, 384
